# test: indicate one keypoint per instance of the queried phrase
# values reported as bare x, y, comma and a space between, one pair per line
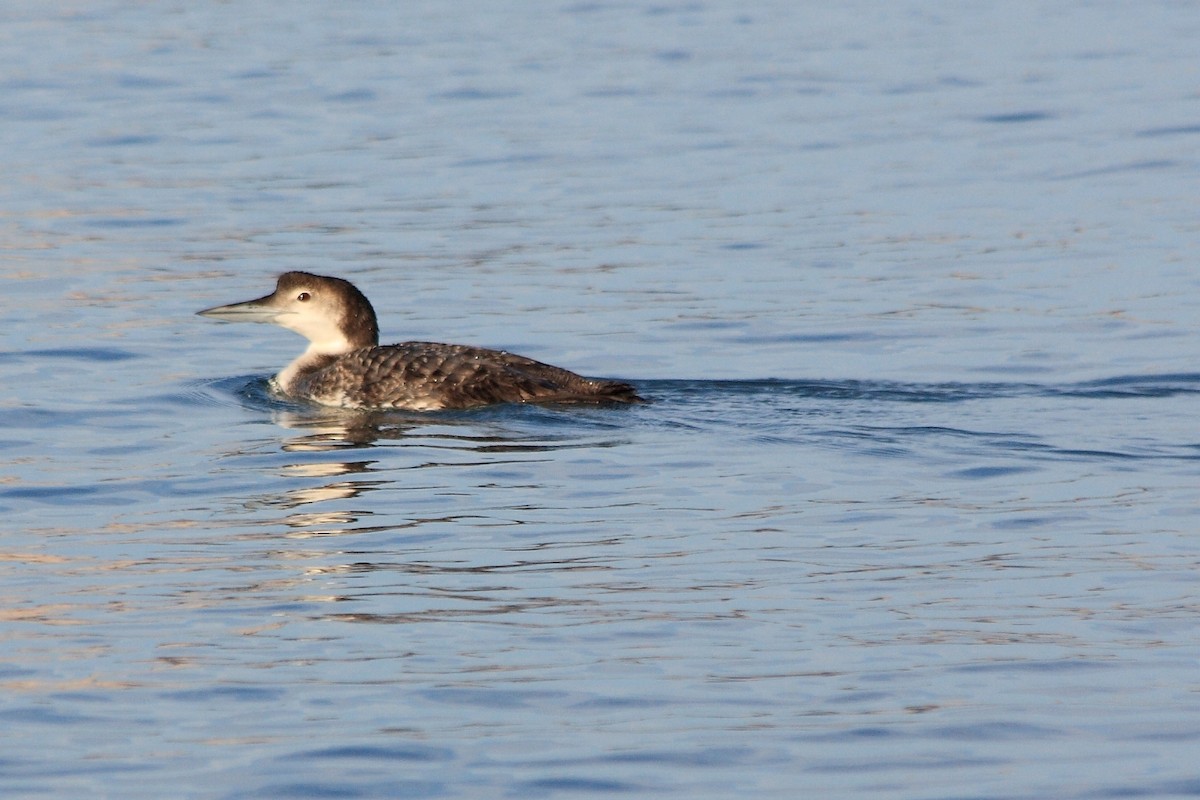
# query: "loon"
345, 366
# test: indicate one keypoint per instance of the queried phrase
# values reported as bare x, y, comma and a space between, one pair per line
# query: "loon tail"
617, 392
593, 391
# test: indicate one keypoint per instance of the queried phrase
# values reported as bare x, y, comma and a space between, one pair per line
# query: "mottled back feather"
430, 375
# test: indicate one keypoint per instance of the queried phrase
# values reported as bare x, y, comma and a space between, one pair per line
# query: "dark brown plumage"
434, 375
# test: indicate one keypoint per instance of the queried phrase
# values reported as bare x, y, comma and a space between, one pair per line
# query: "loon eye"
304, 297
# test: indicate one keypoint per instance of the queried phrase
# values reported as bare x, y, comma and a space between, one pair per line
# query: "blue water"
912, 512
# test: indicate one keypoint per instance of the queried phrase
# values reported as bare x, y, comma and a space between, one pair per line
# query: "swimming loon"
345, 366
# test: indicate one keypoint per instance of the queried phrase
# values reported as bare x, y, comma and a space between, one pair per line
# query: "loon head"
331, 313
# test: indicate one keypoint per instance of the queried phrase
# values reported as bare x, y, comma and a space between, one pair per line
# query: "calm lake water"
913, 513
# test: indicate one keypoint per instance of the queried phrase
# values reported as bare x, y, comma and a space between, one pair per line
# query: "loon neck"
311, 360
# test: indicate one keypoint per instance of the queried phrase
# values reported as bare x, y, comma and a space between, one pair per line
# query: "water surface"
912, 511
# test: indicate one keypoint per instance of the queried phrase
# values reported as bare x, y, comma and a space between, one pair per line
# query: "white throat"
324, 334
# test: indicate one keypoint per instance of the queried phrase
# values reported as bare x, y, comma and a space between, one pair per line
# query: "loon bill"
345, 366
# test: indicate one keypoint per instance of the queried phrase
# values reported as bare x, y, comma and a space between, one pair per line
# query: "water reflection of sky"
951, 547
